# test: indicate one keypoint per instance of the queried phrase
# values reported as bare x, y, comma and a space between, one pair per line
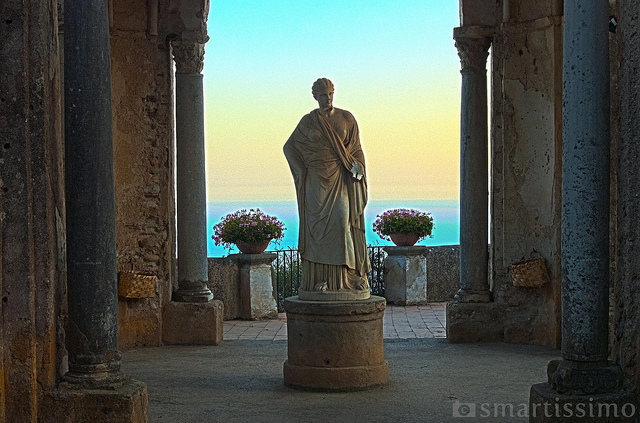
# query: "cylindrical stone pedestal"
335, 345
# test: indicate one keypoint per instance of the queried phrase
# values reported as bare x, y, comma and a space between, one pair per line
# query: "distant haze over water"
445, 214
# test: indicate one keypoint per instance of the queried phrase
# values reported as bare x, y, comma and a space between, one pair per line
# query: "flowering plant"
403, 221
251, 226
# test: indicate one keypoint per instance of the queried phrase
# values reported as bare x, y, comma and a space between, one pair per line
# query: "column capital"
473, 47
189, 56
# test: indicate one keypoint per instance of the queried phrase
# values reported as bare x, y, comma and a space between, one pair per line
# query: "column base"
120, 403
95, 372
466, 296
192, 294
193, 323
474, 322
335, 345
547, 405
93, 380
584, 378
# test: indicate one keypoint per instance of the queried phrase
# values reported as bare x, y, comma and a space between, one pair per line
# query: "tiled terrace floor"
427, 321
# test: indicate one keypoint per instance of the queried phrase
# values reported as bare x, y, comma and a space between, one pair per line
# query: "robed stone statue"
328, 168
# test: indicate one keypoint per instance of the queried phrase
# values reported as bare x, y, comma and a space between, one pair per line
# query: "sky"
394, 66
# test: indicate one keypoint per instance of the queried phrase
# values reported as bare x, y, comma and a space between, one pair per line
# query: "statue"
328, 168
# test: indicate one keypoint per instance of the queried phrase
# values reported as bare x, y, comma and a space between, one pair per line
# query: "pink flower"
247, 226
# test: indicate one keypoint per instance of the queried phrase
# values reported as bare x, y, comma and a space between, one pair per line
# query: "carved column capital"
473, 48
189, 57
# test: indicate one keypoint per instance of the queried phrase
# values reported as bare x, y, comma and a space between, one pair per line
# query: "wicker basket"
132, 284
530, 273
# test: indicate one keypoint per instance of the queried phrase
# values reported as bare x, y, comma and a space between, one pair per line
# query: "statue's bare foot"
362, 285
320, 286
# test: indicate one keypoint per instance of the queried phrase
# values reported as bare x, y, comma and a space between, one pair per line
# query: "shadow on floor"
241, 381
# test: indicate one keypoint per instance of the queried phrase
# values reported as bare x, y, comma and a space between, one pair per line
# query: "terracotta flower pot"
252, 247
404, 240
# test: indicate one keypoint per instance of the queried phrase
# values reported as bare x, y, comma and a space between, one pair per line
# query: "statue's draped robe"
331, 202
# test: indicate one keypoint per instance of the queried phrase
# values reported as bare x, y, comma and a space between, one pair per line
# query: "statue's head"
321, 86
322, 91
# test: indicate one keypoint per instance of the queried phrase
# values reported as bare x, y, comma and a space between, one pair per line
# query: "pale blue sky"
394, 66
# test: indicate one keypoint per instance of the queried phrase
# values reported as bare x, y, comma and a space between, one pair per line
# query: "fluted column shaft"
473, 49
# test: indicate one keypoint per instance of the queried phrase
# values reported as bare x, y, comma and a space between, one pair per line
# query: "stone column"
472, 316
190, 171
98, 388
585, 183
193, 317
473, 49
584, 375
92, 335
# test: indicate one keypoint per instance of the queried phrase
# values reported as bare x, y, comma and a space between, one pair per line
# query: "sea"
445, 213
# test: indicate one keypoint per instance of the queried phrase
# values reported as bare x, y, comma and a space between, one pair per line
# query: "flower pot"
252, 247
404, 240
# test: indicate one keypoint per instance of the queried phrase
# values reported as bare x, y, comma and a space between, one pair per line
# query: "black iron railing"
376, 274
287, 269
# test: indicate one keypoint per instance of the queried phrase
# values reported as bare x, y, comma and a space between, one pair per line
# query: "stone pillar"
473, 49
405, 275
585, 183
257, 293
472, 316
190, 171
92, 339
193, 317
94, 388
584, 376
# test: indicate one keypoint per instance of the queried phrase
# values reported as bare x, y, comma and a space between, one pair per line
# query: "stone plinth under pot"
257, 293
335, 345
405, 275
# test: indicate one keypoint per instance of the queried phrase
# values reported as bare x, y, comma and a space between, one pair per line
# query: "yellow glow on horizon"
411, 146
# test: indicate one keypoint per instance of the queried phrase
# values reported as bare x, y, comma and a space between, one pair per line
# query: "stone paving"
426, 321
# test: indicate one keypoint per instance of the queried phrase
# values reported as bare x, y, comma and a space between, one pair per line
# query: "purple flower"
247, 226
404, 221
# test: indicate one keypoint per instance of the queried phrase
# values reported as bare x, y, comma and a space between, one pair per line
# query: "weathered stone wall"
626, 348
143, 163
527, 10
443, 272
480, 12
526, 169
224, 282
32, 263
